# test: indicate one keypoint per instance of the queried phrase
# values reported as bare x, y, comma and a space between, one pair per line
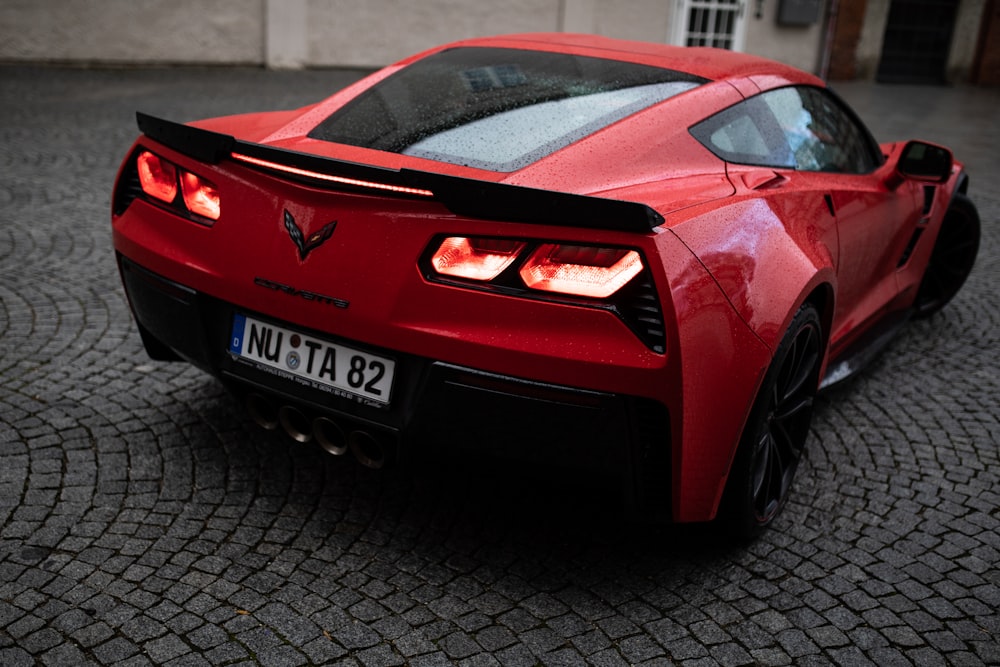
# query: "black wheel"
952, 258
776, 432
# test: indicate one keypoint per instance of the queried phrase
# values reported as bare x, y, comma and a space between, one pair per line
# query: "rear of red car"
386, 294
368, 309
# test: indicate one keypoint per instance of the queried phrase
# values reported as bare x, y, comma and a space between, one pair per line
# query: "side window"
800, 128
746, 133
822, 136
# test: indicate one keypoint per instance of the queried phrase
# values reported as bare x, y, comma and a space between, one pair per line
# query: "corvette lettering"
293, 291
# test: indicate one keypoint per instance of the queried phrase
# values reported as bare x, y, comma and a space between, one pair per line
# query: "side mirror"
925, 162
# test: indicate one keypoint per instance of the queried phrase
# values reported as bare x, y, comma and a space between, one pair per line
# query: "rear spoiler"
462, 196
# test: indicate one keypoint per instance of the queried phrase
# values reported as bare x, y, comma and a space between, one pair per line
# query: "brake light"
475, 258
157, 177
161, 179
581, 276
330, 178
200, 196
580, 270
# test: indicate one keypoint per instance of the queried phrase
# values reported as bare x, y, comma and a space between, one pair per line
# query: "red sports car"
640, 258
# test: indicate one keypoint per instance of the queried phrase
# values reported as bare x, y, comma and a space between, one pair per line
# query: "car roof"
709, 63
655, 139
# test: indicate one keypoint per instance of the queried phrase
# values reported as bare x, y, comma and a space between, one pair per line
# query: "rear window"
497, 109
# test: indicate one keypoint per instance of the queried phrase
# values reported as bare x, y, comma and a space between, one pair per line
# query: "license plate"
312, 361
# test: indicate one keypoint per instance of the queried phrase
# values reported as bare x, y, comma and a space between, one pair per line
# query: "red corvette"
642, 258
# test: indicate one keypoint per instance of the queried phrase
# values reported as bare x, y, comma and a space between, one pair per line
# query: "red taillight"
576, 270
580, 270
200, 196
613, 280
157, 177
474, 258
161, 179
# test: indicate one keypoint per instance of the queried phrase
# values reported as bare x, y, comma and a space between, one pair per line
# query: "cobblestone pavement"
144, 520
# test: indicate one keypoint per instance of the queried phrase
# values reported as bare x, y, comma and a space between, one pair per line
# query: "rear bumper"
437, 408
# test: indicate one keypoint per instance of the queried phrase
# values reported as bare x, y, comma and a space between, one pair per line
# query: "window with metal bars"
717, 23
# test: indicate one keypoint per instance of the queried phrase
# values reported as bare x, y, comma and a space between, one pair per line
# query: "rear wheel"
952, 258
776, 432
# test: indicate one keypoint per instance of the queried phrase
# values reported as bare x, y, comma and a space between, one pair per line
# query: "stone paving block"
144, 521
63, 654
15, 657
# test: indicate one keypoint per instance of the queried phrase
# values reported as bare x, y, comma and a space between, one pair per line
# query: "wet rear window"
497, 109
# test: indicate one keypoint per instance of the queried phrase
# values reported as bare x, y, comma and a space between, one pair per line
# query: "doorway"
917, 41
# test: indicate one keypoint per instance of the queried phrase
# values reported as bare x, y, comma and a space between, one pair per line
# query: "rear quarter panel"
767, 250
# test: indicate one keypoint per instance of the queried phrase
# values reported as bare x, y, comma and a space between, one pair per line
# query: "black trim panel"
462, 196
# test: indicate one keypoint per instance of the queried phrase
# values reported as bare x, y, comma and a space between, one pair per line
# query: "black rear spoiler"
462, 196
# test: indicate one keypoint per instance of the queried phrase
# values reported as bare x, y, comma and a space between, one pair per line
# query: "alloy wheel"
787, 413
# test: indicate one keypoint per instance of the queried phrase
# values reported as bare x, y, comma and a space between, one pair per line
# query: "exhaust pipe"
366, 449
295, 423
329, 436
262, 412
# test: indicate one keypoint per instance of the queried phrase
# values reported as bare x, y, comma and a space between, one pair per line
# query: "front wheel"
952, 258
776, 432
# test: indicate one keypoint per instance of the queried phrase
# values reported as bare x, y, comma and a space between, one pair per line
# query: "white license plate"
312, 361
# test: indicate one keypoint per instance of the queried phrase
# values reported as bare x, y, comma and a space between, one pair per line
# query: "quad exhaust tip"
262, 412
330, 436
368, 449
296, 424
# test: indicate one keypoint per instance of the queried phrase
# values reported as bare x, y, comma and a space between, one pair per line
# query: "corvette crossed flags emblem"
305, 245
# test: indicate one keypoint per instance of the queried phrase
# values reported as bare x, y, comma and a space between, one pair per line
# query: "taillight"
615, 280
162, 179
200, 196
157, 177
474, 258
580, 270
575, 270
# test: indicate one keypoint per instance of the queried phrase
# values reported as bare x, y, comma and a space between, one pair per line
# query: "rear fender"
720, 363
766, 267
761, 276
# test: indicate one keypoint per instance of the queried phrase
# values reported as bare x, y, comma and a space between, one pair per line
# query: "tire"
952, 259
776, 431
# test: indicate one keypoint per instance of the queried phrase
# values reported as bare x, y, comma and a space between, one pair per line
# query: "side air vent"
909, 247
929, 192
639, 307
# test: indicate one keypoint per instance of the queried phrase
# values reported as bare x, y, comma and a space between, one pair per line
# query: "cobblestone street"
145, 520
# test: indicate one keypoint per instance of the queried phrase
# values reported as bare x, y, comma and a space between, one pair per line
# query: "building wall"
800, 46
860, 29
869, 49
133, 31
377, 32
323, 33
962, 59
371, 33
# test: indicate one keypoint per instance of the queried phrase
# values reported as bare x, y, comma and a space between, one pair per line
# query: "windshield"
497, 109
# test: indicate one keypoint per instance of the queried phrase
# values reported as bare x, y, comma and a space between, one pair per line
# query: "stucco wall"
132, 31
869, 50
961, 58
799, 46
371, 33
376, 32
298, 33
642, 20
